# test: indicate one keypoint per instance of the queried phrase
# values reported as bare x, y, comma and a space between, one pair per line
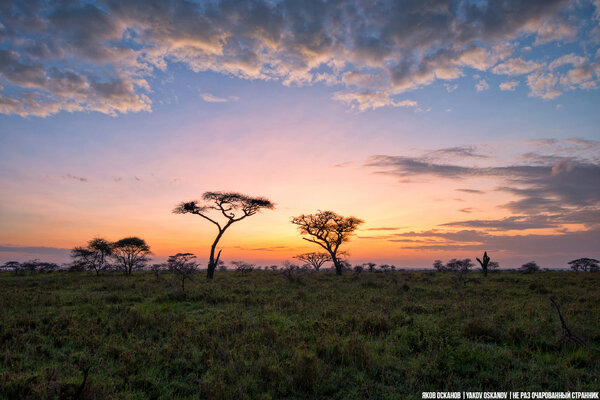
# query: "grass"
260, 336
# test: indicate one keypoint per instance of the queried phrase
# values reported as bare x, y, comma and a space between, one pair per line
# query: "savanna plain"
265, 335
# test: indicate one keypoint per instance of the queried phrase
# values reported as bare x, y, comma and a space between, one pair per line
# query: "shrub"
529, 268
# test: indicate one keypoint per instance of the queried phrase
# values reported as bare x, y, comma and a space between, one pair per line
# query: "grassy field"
258, 335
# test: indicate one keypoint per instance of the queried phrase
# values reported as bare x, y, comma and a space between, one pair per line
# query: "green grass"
259, 336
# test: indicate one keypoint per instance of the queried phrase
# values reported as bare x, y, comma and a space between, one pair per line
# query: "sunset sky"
449, 127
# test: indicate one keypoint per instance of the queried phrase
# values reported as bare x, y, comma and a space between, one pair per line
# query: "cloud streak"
553, 192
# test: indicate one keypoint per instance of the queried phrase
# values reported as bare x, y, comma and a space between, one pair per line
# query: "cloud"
474, 191
509, 85
76, 178
450, 87
35, 250
549, 191
515, 66
104, 56
482, 85
385, 228
209, 98
543, 85
371, 100
545, 245
454, 152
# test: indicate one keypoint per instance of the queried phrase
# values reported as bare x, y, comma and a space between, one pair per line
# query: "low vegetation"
261, 335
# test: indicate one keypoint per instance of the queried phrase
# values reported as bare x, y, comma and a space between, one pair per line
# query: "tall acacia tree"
329, 230
233, 206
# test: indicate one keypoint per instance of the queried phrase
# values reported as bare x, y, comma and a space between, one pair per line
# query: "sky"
449, 127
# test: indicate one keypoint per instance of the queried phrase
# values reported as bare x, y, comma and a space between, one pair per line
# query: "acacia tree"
585, 264
184, 266
130, 253
14, 266
314, 259
233, 206
329, 230
93, 256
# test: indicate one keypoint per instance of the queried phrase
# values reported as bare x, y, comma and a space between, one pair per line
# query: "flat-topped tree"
585, 264
314, 259
93, 256
233, 206
130, 253
329, 230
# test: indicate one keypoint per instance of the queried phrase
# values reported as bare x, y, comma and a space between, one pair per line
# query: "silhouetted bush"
529, 268
291, 272
243, 267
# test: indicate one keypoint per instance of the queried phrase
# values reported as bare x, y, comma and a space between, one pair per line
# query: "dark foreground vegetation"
262, 335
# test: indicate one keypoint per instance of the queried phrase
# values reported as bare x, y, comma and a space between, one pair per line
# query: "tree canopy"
329, 230
232, 206
130, 253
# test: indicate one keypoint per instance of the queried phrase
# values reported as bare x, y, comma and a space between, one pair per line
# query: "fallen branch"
567, 335
86, 371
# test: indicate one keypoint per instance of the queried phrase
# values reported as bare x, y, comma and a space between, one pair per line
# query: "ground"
262, 336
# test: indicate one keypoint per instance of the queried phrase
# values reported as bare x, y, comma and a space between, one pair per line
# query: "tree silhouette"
130, 253
314, 259
233, 206
585, 264
529, 267
14, 266
329, 230
370, 266
484, 264
93, 256
184, 266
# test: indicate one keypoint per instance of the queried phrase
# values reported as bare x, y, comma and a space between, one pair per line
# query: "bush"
529, 268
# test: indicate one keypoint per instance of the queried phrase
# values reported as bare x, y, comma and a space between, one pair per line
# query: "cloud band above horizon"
104, 56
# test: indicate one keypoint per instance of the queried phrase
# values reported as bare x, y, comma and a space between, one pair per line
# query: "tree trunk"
337, 264
210, 271
212, 262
